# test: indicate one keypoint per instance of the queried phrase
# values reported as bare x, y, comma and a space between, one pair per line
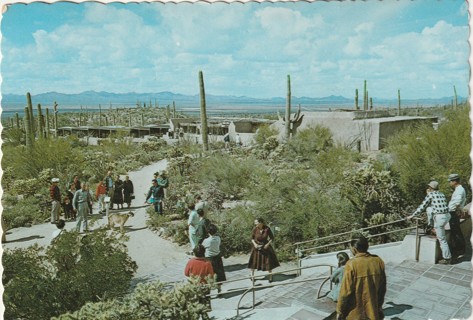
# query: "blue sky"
328, 48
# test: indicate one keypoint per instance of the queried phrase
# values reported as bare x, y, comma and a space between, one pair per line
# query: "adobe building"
191, 128
359, 130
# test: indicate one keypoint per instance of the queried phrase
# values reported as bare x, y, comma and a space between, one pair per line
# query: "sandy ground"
151, 252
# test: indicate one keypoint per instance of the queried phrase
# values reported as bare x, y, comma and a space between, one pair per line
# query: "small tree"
74, 270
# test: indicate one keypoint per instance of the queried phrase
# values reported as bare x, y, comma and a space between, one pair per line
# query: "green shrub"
230, 175
19, 213
371, 191
263, 133
234, 227
154, 300
422, 154
309, 141
74, 270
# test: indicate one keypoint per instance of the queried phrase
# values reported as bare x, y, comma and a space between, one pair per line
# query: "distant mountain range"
93, 98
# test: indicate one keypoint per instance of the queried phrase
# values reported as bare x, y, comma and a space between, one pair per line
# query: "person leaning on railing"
436, 202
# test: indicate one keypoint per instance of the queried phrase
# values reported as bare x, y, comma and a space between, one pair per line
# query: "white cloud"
242, 49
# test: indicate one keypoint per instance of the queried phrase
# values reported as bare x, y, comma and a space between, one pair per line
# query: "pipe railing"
301, 250
253, 287
325, 279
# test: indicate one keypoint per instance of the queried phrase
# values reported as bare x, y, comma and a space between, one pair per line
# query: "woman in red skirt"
262, 255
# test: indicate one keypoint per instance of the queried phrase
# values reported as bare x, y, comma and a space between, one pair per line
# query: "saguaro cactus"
28, 134
17, 120
55, 118
365, 98
290, 125
356, 100
398, 102
40, 123
48, 127
294, 123
287, 124
30, 112
203, 113
173, 109
456, 98
168, 112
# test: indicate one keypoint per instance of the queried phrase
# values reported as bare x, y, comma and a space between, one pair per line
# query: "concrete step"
285, 313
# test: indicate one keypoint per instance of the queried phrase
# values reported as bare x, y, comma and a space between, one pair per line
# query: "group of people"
360, 282
77, 203
440, 212
77, 200
205, 244
118, 191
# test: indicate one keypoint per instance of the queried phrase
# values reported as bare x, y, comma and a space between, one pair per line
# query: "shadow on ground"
128, 229
236, 267
25, 239
395, 308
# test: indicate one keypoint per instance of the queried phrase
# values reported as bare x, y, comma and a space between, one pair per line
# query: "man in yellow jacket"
363, 286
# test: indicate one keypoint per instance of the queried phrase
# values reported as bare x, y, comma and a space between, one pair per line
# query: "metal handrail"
254, 278
299, 250
299, 268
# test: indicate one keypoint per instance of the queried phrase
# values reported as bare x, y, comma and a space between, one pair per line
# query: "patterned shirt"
436, 200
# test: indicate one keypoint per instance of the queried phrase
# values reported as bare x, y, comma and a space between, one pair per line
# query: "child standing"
337, 275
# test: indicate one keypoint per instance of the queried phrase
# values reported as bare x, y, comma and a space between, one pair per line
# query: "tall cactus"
168, 112
55, 119
203, 113
287, 124
40, 123
365, 98
100, 115
456, 98
17, 120
48, 126
356, 100
174, 109
30, 112
398, 102
28, 134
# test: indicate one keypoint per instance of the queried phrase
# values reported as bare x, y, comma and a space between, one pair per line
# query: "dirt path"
151, 252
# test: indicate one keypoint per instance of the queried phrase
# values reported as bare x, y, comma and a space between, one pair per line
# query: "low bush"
74, 270
26, 212
154, 300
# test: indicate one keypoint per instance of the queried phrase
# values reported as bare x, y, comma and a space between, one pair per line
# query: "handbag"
151, 200
132, 196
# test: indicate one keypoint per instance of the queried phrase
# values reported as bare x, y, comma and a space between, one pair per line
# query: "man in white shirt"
456, 204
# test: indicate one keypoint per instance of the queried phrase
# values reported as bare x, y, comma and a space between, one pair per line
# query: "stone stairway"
415, 290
